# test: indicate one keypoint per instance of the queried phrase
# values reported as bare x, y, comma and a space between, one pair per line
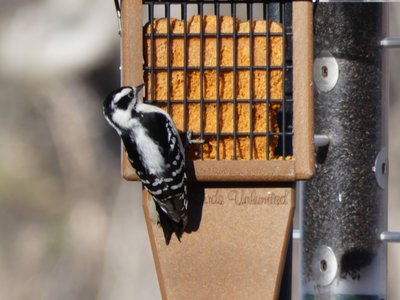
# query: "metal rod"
201, 13
177, 101
222, 68
152, 51
185, 75
321, 140
221, 34
267, 77
296, 234
282, 19
169, 71
217, 56
391, 42
386, 236
390, 236
251, 63
234, 65
118, 10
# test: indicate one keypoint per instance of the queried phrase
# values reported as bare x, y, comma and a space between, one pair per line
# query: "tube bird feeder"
236, 78
345, 204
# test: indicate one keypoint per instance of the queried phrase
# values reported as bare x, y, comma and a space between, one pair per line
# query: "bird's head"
119, 103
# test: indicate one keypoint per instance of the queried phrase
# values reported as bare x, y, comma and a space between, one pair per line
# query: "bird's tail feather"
169, 226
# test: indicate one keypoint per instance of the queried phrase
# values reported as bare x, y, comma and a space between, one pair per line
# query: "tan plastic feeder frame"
237, 245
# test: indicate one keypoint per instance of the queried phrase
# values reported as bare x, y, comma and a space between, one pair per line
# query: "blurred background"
70, 227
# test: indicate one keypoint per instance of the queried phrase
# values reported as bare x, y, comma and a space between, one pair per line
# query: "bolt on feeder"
236, 78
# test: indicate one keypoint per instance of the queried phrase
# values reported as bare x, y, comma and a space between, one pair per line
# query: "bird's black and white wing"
156, 152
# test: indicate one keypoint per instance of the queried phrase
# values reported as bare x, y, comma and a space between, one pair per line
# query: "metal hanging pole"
118, 11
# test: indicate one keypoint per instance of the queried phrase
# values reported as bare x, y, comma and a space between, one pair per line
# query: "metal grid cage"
265, 97
277, 135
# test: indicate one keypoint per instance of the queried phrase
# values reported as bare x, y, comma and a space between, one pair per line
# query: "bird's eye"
130, 95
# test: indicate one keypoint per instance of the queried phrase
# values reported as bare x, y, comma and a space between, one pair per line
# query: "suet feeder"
236, 78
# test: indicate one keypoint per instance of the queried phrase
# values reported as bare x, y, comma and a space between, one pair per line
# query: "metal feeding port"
225, 73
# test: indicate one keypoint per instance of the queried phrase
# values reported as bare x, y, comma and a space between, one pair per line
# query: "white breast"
148, 150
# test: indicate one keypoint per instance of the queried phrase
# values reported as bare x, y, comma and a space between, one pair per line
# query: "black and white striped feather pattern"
155, 151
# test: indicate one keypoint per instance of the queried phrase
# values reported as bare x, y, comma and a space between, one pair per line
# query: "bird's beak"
138, 89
